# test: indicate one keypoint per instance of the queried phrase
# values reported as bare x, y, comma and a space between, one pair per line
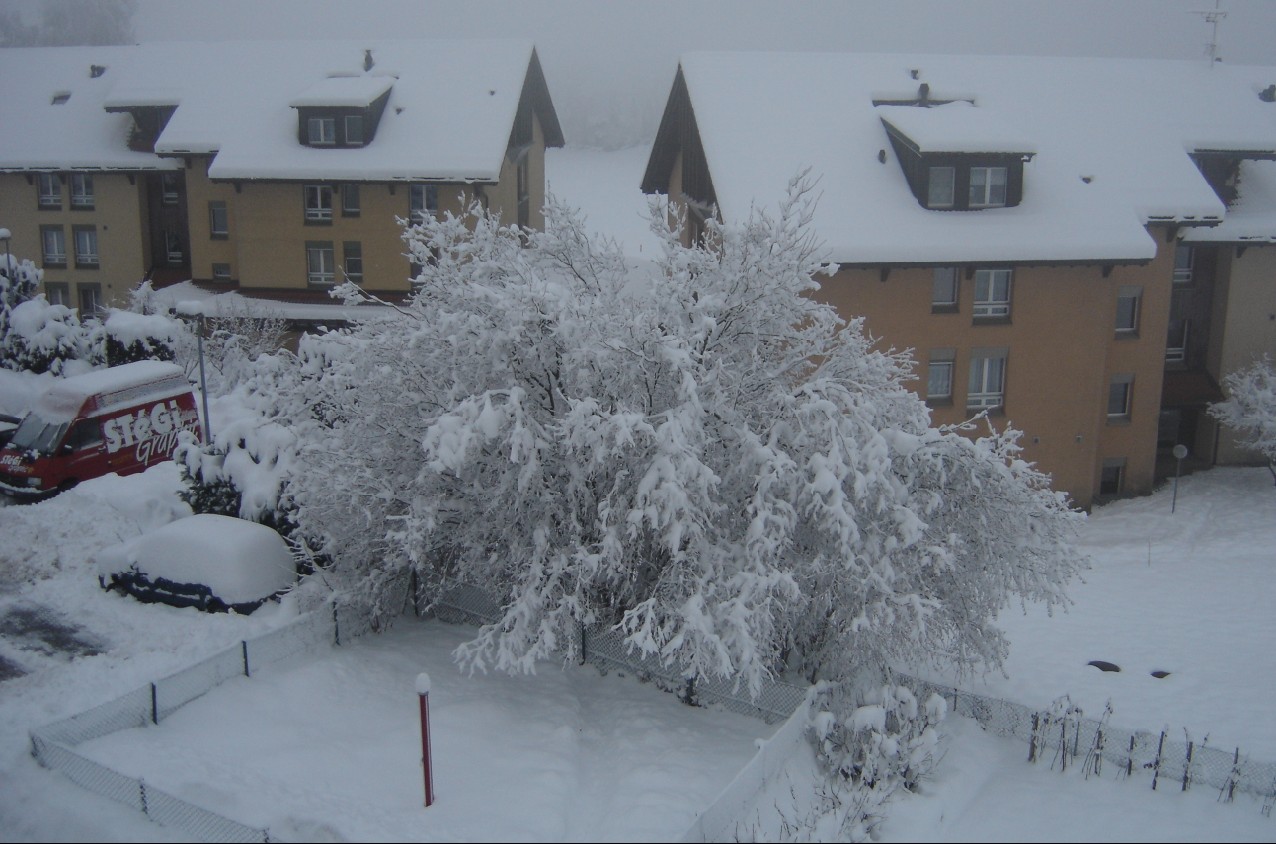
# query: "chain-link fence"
53, 745
1062, 736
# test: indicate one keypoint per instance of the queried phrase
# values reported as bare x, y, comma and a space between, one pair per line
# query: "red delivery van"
121, 419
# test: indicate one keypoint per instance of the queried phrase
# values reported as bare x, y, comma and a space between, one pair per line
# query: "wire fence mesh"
1063, 736
53, 743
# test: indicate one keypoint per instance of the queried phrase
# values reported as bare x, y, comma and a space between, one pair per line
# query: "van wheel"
71, 483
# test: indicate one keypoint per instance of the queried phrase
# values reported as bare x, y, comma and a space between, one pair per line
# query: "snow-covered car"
215, 563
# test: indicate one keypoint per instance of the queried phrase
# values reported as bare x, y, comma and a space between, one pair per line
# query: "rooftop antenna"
1213, 16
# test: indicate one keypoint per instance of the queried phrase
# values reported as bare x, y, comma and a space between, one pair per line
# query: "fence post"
336, 626
1156, 767
423, 692
244, 644
154, 705
1187, 767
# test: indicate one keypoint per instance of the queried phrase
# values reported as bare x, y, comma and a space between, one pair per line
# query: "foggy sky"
609, 63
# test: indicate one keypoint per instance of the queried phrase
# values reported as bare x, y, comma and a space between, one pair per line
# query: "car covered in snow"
215, 563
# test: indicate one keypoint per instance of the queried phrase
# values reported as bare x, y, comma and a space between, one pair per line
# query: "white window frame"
352, 264
218, 219
318, 203
221, 271
1184, 263
1176, 346
944, 281
986, 389
1120, 388
354, 139
169, 192
349, 192
321, 269
86, 253
939, 379
321, 131
82, 190
984, 187
90, 299
50, 190
991, 303
1134, 295
423, 199
54, 252
934, 200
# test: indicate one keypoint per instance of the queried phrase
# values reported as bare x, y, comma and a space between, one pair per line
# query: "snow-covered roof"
353, 91
449, 114
1112, 139
117, 386
958, 126
1252, 217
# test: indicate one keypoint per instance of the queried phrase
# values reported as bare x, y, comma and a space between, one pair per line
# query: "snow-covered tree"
1250, 410
694, 451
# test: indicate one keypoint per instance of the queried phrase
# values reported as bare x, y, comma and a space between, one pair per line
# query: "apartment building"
277, 169
1025, 226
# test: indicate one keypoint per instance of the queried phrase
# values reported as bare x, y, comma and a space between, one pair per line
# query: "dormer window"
322, 131
354, 130
342, 111
987, 187
941, 187
957, 156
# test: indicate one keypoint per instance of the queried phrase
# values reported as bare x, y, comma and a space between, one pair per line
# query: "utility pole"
1213, 17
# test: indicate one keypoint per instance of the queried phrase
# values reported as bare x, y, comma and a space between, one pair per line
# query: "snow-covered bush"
1250, 409
869, 744
695, 452
139, 336
43, 338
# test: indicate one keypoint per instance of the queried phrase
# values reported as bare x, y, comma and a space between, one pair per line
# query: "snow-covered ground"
325, 745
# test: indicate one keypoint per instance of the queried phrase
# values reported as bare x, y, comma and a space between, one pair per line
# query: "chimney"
367, 60
1268, 94
923, 94
96, 70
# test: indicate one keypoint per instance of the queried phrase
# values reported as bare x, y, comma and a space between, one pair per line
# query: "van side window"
87, 433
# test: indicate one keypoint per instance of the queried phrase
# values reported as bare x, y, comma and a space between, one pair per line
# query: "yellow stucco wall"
117, 215
1062, 351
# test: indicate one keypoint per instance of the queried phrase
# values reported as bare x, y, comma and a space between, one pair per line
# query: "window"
54, 240
169, 188
81, 190
1120, 389
424, 199
173, 249
943, 294
349, 200
90, 299
218, 220
321, 131
939, 377
86, 246
1127, 313
1183, 261
353, 251
320, 266
942, 187
1176, 340
221, 272
992, 294
354, 129
50, 190
58, 293
318, 203
987, 386
86, 433
1112, 476
987, 187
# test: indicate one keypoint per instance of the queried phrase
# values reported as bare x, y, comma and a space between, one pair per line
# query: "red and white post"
423, 692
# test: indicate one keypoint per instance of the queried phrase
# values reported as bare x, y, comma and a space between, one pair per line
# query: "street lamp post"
195, 309
5, 235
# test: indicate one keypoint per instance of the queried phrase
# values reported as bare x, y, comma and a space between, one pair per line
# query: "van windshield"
38, 434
